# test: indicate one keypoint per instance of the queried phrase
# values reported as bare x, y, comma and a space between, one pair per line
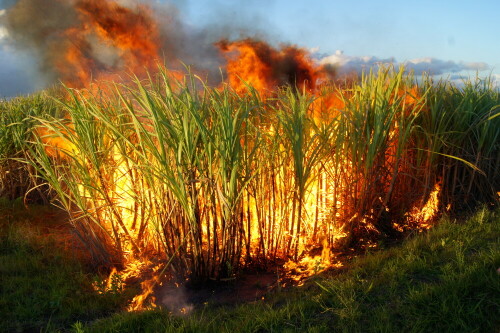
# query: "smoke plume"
75, 41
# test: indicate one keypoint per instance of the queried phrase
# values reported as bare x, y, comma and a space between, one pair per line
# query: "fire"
121, 208
109, 38
105, 39
55, 145
256, 63
309, 265
135, 270
326, 106
427, 213
132, 33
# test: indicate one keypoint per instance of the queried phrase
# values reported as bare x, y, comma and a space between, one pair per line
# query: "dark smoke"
39, 28
36, 27
285, 66
184, 45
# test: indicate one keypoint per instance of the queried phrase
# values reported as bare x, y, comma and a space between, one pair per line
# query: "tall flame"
256, 63
110, 37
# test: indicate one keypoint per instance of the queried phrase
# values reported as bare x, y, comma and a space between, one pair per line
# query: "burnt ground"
249, 287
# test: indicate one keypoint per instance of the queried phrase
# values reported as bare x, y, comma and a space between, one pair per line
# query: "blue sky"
465, 31
446, 37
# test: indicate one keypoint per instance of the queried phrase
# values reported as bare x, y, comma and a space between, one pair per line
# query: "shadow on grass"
44, 286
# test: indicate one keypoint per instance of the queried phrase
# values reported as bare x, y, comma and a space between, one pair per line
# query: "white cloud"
437, 66
346, 63
314, 49
461, 78
3, 30
3, 33
434, 66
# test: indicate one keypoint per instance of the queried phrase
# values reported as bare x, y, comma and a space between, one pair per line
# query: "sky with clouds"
444, 37
453, 34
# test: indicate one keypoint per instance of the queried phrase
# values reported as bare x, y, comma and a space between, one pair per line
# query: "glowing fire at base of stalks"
430, 209
426, 214
307, 266
134, 272
147, 287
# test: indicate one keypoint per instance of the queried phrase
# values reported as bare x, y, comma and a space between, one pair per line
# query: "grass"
16, 124
44, 286
444, 280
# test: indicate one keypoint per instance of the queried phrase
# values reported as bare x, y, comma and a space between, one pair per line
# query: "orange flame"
55, 145
431, 207
422, 216
265, 68
109, 38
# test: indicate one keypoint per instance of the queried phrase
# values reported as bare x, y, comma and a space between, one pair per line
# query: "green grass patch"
42, 286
